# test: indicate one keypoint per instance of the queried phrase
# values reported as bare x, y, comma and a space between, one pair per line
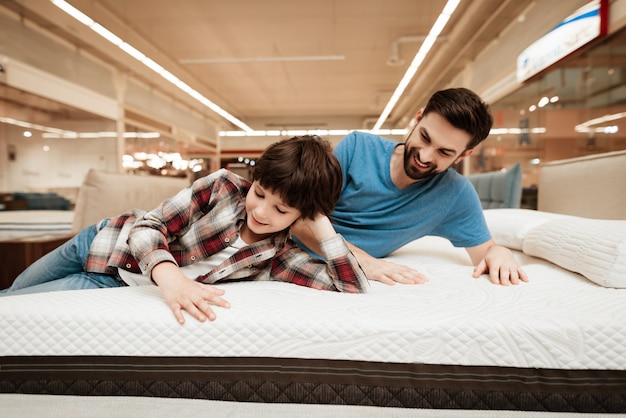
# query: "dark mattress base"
320, 382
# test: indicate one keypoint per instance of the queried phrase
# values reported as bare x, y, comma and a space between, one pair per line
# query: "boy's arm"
339, 270
376, 269
316, 230
181, 293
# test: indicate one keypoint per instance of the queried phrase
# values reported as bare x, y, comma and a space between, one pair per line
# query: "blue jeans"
63, 269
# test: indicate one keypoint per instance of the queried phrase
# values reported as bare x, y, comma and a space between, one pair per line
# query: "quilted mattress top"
557, 320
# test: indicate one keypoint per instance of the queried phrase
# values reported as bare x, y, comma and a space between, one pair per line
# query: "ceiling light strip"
262, 59
319, 132
138, 55
429, 41
586, 126
28, 125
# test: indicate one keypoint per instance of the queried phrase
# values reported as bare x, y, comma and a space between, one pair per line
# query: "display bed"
21, 223
553, 344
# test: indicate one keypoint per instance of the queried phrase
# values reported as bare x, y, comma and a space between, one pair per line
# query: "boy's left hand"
181, 293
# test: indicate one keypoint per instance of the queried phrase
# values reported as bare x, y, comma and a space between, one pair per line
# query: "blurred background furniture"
593, 186
499, 189
37, 201
18, 253
105, 194
27, 235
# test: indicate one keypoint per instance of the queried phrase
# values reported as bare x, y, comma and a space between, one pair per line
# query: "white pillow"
509, 227
594, 248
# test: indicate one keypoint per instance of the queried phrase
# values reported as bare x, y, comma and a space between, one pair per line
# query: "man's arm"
498, 261
385, 271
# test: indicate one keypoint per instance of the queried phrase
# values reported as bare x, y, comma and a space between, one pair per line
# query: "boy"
220, 228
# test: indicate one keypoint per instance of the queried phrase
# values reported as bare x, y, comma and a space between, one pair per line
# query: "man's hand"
385, 271
181, 293
499, 262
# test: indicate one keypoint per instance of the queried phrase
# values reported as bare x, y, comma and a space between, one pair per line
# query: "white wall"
65, 164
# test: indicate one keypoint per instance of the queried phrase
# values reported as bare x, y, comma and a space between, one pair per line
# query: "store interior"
574, 108
583, 112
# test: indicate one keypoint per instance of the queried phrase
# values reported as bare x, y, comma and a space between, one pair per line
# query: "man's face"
433, 146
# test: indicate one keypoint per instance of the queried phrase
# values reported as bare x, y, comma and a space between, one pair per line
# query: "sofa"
499, 189
105, 194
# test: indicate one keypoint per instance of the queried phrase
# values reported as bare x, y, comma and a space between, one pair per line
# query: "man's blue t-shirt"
379, 218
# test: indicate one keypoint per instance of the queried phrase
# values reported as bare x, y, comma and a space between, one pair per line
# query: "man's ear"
464, 154
416, 119
419, 115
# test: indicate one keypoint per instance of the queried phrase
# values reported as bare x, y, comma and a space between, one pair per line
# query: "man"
395, 193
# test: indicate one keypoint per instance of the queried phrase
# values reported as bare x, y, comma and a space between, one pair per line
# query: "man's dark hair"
304, 172
465, 110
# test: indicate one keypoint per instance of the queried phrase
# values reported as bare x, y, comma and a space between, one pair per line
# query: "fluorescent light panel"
38, 127
429, 41
319, 132
138, 55
262, 59
611, 129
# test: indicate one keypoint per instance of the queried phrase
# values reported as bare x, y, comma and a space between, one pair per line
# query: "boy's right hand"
319, 228
181, 293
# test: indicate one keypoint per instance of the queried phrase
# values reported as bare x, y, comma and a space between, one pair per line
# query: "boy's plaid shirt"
203, 219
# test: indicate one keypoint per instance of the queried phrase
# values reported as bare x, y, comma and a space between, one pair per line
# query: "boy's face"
267, 213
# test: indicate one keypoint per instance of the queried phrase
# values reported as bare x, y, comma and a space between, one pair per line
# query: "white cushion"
509, 227
592, 247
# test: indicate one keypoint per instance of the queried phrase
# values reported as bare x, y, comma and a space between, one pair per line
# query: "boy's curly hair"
304, 172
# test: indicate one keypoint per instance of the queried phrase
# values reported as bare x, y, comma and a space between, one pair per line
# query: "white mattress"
21, 223
558, 320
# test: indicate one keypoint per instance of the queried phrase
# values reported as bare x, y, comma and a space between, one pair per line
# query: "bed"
21, 223
553, 344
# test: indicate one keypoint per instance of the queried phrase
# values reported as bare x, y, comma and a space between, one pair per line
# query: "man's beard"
410, 169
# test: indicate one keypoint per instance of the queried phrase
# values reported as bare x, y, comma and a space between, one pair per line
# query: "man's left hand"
501, 266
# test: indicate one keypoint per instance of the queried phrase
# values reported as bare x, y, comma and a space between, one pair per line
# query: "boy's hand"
181, 293
320, 227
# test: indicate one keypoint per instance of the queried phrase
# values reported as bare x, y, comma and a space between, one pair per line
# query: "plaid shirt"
203, 219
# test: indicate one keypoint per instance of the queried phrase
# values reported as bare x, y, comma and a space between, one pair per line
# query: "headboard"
105, 194
593, 186
499, 189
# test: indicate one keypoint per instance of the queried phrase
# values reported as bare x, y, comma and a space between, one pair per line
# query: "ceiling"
284, 63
